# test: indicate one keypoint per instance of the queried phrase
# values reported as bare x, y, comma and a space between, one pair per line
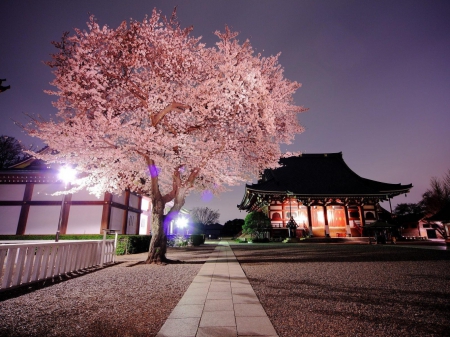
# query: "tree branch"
173, 106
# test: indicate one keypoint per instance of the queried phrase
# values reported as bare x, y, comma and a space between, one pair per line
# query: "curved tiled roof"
319, 175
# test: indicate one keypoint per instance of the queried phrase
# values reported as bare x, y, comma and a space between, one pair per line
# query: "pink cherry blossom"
149, 95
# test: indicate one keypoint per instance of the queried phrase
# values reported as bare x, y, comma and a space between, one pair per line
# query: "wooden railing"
29, 262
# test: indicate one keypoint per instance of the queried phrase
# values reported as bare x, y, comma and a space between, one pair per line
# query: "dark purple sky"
375, 74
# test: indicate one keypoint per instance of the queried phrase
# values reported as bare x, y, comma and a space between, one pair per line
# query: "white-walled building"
28, 206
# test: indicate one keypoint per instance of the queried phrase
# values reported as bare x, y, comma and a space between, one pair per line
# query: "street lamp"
67, 175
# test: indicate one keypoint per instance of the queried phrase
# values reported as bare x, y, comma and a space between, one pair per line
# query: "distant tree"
436, 198
204, 216
255, 223
233, 227
407, 209
11, 151
437, 195
148, 108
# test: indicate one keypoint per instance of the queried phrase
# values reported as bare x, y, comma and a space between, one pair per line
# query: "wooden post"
125, 215
310, 220
106, 212
361, 218
25, 209
138, 220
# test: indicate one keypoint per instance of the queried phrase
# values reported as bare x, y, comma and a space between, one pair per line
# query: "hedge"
197, 239
126, 244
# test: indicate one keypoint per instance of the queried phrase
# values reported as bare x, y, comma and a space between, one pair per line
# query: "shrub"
257, 240
197, 239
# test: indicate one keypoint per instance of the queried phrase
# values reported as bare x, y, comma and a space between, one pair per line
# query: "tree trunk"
158, 243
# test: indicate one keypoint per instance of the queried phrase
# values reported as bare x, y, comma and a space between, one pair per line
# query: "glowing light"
181, 222
302, 218
67, 174
320, 216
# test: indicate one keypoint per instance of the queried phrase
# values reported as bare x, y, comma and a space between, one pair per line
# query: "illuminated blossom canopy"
147, 107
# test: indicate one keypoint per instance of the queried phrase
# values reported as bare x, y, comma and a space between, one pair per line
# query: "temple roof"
319, 175
443, 215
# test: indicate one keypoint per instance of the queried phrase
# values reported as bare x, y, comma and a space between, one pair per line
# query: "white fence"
29, 262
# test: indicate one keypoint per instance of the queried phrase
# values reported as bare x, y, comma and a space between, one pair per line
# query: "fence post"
102, 254
115, 246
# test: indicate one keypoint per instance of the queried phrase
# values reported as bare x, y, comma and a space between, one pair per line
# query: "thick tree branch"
173, 106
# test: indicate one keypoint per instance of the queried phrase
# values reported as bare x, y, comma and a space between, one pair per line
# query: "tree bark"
158, 243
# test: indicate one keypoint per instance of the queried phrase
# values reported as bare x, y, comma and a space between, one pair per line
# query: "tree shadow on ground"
321, 253
7, 294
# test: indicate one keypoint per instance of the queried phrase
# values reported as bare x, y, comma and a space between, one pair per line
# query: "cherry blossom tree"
148, 108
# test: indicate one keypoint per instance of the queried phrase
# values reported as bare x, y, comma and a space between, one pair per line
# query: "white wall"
12, 192
9, 218
146, 216
85, 196
85, 219
132, 222
43, 192
119, 198
116, 219
134, 201
43, 220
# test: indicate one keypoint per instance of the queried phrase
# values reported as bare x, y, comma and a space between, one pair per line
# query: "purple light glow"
207, 195
154, 171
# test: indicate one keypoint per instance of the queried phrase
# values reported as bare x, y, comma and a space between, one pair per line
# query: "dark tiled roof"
324, 175
442, 215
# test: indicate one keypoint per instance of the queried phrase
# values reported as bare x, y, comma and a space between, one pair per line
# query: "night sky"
375, 74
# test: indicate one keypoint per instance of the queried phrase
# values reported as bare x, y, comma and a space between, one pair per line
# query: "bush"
197, 239
257, 240
137, 243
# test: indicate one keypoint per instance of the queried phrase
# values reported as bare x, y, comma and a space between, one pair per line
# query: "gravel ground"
350, 290
127, 299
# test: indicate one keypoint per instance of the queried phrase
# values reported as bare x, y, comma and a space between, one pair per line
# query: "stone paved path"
220, 302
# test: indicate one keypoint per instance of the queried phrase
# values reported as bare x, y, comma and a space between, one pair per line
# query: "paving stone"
218, 305
217, 331
214, 318
187, 311
255, 326
180, 327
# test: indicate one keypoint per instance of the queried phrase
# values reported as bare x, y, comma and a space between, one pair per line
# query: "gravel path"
350, 290
306, 290
128, 299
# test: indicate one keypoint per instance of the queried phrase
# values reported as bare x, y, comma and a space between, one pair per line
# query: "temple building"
321, 193
28, 205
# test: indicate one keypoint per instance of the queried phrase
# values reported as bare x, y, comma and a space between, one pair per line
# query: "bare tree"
205, 216
438, 195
